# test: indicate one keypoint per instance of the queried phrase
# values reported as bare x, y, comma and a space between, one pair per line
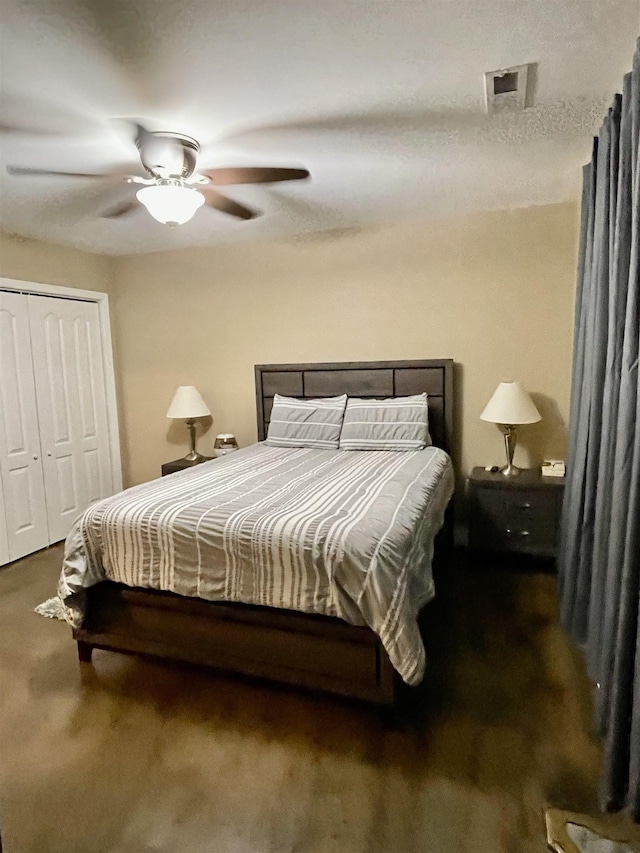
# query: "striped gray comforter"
340, 533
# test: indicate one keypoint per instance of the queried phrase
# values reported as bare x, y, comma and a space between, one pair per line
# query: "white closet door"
23, 495
70, 388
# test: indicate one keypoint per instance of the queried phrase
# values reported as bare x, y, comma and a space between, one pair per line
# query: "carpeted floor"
128, 756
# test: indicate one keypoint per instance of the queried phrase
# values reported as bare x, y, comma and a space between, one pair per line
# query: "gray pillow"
306, 423
397, 423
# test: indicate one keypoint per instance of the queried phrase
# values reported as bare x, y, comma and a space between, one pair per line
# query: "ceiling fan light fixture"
170, 204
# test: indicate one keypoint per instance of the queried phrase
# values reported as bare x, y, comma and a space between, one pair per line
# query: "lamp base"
510, 471
193, 456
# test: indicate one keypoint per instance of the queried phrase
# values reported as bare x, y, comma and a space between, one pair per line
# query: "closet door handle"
35, 458
49, 453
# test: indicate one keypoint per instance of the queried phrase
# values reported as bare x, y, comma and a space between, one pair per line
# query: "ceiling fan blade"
122, 209
378, 122
227, 205
253, 175
33, 115
25, 170
7, 127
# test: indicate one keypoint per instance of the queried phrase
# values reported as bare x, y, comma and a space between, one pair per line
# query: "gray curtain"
599, 558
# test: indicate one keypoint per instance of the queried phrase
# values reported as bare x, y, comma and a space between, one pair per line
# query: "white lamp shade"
187, 403
170, 204
510, 404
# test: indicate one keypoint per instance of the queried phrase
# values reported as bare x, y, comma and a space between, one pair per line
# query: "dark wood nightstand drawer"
491, 503
511, 532
487, 518
526, 505
526, 536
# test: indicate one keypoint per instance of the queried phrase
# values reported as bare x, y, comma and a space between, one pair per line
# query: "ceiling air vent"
509, 90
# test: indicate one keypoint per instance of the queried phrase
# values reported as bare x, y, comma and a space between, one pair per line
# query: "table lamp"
509, 406
187, 404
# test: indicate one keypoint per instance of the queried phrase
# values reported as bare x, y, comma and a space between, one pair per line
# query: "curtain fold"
599, 554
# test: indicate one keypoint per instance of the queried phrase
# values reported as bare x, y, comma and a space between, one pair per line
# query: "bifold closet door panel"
23, 496
70, 388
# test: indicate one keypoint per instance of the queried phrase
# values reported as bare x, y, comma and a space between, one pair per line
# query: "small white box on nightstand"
553, 468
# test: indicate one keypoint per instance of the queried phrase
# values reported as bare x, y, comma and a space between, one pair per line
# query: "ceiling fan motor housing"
168, 155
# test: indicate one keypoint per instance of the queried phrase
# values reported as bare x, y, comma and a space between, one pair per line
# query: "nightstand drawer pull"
523, 533
524, 506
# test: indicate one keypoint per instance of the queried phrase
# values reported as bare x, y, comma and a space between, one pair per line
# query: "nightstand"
518, 515
181, 464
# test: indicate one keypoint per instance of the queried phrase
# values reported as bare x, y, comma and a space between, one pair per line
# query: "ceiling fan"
174, 190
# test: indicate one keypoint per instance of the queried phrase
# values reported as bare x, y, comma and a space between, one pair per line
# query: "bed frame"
316, 652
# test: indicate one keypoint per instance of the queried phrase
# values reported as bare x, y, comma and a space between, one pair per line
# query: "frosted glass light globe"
169, 203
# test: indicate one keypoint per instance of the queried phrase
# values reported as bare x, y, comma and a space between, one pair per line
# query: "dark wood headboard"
362, 379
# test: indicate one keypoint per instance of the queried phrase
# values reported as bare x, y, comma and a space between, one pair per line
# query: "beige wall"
493, 291
34, 260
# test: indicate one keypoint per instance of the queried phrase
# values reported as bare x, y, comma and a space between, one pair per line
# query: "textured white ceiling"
381, 99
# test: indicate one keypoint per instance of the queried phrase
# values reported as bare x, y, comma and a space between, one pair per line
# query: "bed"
194, 624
